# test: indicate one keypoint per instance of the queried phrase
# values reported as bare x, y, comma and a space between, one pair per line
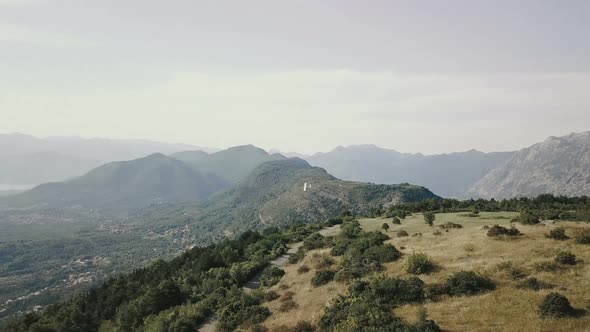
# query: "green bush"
322, 277
429, 218
566, 258
582, 236
557, 234
528, 217
271, 276
314, 241
556, 305
468, 283
396, 221
384, 253
418, 263
498, 230
392, 291
385, 227
435, 291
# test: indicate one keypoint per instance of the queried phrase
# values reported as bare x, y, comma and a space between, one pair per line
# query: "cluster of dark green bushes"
363, 252
178, 294
368, 306
498, 230
542, 207
463, 283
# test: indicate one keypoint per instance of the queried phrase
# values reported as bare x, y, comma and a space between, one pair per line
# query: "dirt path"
281, 261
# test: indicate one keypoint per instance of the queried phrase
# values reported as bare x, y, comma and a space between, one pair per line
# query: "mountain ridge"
558, 165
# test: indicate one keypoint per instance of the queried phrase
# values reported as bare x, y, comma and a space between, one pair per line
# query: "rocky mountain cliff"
559, 165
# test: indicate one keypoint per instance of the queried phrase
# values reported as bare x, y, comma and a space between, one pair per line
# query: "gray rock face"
559, 166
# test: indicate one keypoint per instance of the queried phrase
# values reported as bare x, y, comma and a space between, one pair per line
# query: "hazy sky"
304, 75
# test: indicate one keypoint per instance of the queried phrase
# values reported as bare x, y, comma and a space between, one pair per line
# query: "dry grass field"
310, 300
508, 308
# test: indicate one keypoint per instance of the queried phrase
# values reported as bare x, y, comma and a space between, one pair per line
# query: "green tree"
429, 218
385, 227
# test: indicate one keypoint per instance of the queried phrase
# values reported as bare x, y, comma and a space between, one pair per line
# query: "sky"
299, 75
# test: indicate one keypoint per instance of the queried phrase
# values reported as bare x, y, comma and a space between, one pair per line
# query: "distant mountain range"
559, 165
252, 178
28, 160
448, 175
124, 186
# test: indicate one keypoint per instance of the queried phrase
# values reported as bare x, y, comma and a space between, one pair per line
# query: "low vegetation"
271, 276
557, 234
556, 305
498, 230
322, 277
565, 258
582, 236
419, 263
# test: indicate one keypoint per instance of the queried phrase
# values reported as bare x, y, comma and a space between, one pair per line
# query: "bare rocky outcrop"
559, 166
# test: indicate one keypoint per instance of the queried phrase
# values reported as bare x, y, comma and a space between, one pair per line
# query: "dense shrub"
271, 276
347, 274
391, 291
384, 253
498, 230
322, 277
566, 258
557, 234
368, 307
339, 248
418, 263
582, 236
385, 227
468, 283
314, 241
402, 233
527, 217
533, 284
241, 310
396, 221
435, 291
556, 305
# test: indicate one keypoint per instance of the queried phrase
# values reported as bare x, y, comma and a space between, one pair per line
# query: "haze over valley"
294, 166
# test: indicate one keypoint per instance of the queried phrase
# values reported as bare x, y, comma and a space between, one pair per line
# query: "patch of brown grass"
507, 308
